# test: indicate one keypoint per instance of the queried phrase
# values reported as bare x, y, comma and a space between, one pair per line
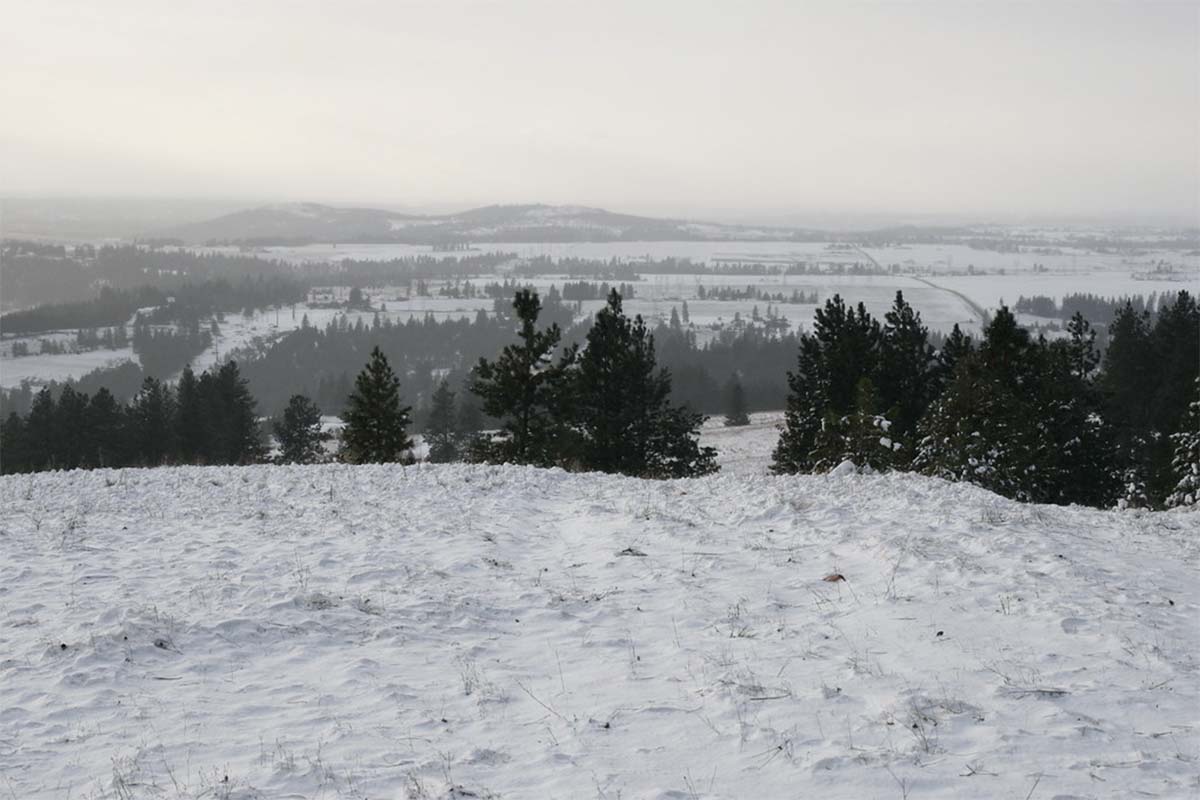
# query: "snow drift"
463, 631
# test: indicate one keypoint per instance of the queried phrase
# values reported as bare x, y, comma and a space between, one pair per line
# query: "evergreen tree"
981, 428
1128, 371
735, 403
1073, 445
152, 419
1082, 354
299, 431
40, 433
622, 406
842, 350
849, 339
526, 391
956, 347
441, 429
1175, 343
106, 441
804, 416
14, 451
231, 417
376, 428
863, 437
70, 428
191, 429
468, 425
905, 376
1185, 463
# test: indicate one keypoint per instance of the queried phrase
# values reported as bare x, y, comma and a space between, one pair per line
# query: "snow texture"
470, 631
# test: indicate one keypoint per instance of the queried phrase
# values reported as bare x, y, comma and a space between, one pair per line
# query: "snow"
44, 368
455, 631
940, 259
990, 290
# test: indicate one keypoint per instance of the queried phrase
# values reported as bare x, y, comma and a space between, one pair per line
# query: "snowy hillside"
497, 223
466, 631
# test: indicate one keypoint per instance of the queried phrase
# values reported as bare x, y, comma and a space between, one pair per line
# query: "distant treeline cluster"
631, 269
503, 290
34, 278
210, 419
1028, 418
85, 340
1097, 309
726, 293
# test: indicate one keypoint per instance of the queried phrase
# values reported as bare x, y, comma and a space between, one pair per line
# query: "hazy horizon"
999, 113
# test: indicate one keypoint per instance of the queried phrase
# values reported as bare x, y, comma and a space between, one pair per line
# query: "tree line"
1031, 419
210, 419
188, 302
1097, 309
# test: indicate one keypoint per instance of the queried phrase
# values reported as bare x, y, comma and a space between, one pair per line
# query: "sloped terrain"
312, 222
465, 631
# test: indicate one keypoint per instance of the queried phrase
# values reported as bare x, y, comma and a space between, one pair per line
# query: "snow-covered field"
935, 258
44, 368
944, 300
990, 291
468, 631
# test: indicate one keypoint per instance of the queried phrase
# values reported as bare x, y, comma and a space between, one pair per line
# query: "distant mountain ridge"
298, 223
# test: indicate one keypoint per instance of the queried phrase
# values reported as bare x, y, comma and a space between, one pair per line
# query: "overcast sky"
671, 108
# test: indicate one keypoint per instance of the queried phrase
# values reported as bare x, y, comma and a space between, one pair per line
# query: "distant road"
977, 309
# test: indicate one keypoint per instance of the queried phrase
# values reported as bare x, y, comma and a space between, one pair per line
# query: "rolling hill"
298, 223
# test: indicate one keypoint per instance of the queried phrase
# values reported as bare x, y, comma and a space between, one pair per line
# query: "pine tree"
40, 436
299, 431
981, 429
441, 429
1175, 343
1185, 463
106, 442
735, 403
232, 418
526, 391
804, 416
842, 350
849, 339
1128, 371
1082, 354
152, 419
905, 376
956, 347
191, 430
70, 427
1073, 449
863, 437
14, 450
376, 428
468, 425
622, 406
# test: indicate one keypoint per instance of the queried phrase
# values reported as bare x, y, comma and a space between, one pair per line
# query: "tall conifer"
376, 428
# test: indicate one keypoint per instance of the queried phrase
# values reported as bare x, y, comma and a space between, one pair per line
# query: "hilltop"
470, 631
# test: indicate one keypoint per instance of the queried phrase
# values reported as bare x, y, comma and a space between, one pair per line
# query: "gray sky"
654, 107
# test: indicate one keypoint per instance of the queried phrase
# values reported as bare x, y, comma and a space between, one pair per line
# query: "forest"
1034, 419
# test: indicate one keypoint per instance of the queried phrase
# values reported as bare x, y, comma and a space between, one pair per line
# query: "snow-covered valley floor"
465, 631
